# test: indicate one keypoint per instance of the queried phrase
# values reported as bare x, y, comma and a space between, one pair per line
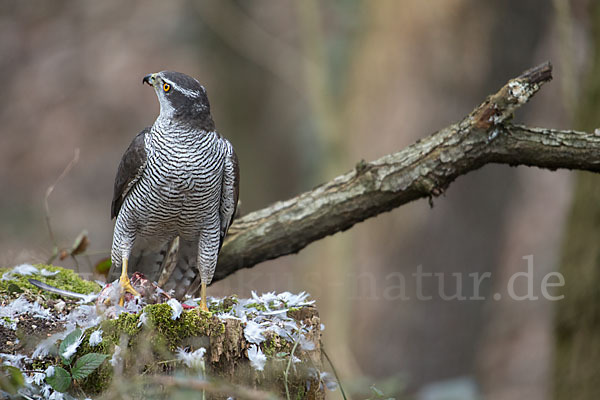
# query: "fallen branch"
422, 170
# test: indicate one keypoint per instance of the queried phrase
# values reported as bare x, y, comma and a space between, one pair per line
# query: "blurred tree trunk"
577, 372
326, 110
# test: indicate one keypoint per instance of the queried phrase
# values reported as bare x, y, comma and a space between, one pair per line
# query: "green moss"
161, 336
112, 329
40, 365
128, 324
65, 279
258, 306
301, 394
224, 306
273, 345
190, 323
150, 346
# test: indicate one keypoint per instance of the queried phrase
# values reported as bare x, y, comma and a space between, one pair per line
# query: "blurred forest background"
304, 90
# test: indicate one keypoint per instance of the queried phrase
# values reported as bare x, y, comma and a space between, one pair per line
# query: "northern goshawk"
175, 193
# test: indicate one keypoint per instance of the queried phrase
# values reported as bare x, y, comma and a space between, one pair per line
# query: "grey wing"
229, 192
129, 171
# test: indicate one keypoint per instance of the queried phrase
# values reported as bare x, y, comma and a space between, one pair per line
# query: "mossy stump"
148, 347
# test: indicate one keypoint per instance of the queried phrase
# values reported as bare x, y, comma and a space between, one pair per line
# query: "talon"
125, 283
126, 287
202, 306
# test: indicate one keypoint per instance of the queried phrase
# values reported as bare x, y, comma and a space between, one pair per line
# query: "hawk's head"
181, 98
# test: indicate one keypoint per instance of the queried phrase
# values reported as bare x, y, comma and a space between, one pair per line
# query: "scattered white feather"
257, 358
85, 316
159, 295
143, 320
329, 380
45, 272
96, 338
261, 315
116, 358
50, 371
88, 298
135, 306
265, 298
56, 396
306, 344
23, 269
72, 348
23, 306
60, 305
194, 359
191, 302
295, 300
176, 307
43, 347
38, 378
253, 332
113, 292
16, 360
267, 313
9, 323
46, 390
285, 328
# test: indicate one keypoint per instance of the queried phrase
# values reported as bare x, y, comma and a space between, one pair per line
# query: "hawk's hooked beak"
149, 79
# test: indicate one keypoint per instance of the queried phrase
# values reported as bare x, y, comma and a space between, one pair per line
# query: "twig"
49, 191
337, 377
287, 368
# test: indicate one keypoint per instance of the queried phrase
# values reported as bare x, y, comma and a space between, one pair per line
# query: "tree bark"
577, 322
422, 170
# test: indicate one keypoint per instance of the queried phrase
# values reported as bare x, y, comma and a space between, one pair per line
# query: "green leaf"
103, 266
14, 288
81, 243
11, 379
86, 364
69, 340
60, 381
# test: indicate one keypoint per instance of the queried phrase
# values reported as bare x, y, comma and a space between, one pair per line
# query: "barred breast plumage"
177, 181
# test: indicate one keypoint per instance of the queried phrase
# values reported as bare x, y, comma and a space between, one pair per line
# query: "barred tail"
172, 265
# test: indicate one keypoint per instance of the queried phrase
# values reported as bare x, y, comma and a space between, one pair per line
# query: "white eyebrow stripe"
187, 92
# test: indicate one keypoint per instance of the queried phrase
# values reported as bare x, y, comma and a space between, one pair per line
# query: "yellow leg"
203, 305
125, 284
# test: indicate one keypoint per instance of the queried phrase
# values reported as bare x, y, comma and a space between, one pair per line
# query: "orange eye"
166, 87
